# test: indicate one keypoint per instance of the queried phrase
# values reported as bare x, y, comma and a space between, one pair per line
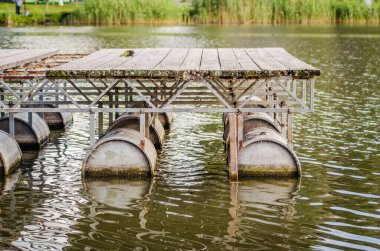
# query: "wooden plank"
161, 63
173, 60
106, 56
268, 64
192, 62
118, 60
10, 52
294, 64
26, 57
245, 61
146, 60
210, 60
75, 64
228, 60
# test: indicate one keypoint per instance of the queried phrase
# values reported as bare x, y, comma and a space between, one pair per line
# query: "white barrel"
117, 193
27, 135
10, 153
56, 120
132, 121
252, 121
166, 119
265, 153
259, 119
120, 153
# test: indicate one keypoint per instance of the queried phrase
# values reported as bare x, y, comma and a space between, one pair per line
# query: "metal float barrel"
132, 121
27, 135
120, 153
265, 153
252, 121
10, 153
55, 120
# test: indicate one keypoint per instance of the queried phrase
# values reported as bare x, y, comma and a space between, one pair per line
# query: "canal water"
190, 204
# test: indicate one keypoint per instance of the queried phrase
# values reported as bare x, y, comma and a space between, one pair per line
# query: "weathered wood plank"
118, 59
186, 63
75, 64
146, 60
26, 57
210, 60
228, 60
267, 64
245, 61
294, 64
173, 60
10, 52
192, 62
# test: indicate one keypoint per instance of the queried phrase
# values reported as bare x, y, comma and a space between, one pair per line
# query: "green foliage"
132, 11
284, 11
199, 11
38, 14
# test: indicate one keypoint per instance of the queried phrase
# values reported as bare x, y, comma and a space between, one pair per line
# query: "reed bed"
98, 12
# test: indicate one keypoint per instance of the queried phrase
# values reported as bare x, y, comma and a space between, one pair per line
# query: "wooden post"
92, 129
147, 124
30, 118
240, 128
100, 121
233, 151
116, 101
110, 114
142, 130
12, 124
41, 99
290, 130
2, 100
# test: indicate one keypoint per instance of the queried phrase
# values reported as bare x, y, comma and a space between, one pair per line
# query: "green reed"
285, 11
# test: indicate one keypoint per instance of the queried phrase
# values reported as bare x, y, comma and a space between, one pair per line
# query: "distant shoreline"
89, 13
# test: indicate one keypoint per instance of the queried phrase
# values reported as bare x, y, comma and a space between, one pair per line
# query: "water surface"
190, 204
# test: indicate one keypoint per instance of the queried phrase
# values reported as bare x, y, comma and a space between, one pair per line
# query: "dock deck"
194, 63
10, 58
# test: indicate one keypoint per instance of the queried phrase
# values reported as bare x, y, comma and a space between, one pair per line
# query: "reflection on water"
191, 204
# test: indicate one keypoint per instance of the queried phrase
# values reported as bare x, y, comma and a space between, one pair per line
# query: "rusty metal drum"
265, 153
28, 136
120, 154
10, 154
132, 121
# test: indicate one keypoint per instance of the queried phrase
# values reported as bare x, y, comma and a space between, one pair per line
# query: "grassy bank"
198, 12
39, 14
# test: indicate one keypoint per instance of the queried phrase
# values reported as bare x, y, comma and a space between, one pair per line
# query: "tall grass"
200, 12
285, 11
132, 11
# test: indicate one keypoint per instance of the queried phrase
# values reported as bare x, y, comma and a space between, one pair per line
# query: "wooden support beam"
233, 150
92, 129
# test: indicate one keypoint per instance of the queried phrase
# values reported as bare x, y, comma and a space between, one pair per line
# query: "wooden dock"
267, 83
165, 63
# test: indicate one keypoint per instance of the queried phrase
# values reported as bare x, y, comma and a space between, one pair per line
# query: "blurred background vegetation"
97, 12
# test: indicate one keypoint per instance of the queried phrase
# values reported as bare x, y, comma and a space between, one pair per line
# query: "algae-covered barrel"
27, 135
120, 153
132, 121
265, 153
10, 153
166, 119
